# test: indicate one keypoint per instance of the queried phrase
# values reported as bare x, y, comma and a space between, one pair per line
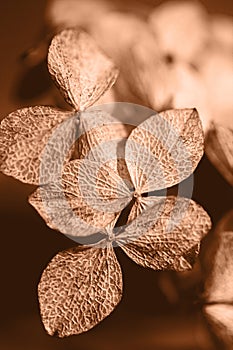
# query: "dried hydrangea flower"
218, 265
82, 286
83, 74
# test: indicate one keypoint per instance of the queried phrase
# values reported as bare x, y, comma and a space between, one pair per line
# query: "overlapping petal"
166, 235
86, 199
78, 289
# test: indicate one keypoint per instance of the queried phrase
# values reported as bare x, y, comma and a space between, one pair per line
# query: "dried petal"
219, 149
99, 185
24, 135
70, 216
86, 200
164, 150
140, 204
167, 235
97, 130
82, 72
78, 289
174, 23
102, 139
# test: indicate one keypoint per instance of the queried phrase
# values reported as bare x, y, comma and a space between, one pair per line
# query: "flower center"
136, 195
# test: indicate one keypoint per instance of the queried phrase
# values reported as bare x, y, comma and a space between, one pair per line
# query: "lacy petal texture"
82, 74
105, 167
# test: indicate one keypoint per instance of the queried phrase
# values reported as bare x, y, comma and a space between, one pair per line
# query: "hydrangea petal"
25, 133
81, 71
164, 150
167, 235
87, 198
78, 289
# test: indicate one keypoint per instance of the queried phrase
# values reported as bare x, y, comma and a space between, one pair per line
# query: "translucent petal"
167, 235
78, 289
24, 135
174, 23
87, 198
220, 317
164, 150
219, 149
81, 71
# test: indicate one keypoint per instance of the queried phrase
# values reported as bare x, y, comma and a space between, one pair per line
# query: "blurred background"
159, 310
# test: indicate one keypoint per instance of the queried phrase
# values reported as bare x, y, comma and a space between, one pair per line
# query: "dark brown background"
145, 319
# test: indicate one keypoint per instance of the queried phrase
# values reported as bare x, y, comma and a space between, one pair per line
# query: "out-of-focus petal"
81, 71
167, 235
219, 149
87, 198
24, 135
218, 288
220, 317
222, 31
218, 283
216, 69
116, 32
78, 289
181, 28
70, 13
148, 74
189, 91
129, 41
164, 150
